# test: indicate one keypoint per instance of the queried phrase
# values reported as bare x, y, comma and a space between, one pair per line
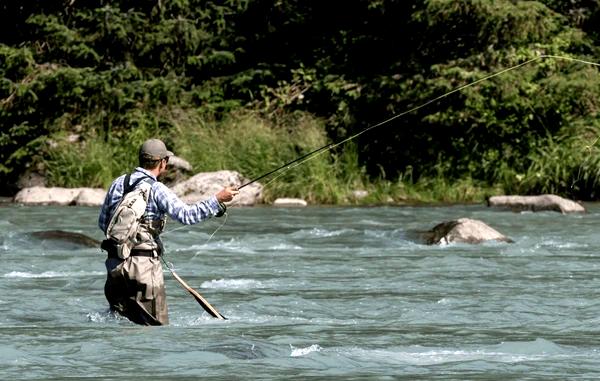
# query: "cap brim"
169, 154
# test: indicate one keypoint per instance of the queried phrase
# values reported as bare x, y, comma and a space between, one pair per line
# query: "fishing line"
313, 154
213, 233
283, 169
186, 226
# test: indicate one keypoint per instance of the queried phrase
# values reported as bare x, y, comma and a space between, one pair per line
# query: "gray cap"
155, 149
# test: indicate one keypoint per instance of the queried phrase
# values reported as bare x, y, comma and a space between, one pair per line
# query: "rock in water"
463, 230
65, 239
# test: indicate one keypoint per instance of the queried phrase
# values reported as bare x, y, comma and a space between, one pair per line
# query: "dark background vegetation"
82, 83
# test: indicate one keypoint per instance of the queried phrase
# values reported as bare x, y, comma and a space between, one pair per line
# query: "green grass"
252, 144
568, 164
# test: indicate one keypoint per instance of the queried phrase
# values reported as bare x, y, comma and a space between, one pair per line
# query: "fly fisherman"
135, 284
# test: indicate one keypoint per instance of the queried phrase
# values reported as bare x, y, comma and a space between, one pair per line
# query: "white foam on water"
371, 222
285, 246
196, 320
322, 233
516, 352
99, 317
235, 284
298, 352
553, 244
232, 245
52, 274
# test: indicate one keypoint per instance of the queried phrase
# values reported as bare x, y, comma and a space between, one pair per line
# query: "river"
319, 292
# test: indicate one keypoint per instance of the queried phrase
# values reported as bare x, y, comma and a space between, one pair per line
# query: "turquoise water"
319, 293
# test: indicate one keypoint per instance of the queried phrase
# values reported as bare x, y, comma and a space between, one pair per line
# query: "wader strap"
128, 188
111, 249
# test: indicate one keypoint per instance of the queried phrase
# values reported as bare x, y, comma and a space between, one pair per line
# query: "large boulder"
203, 185
463, 230
179, 170
537, 203
89, 197
60, 196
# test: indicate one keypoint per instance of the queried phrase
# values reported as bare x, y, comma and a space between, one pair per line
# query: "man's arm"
188, 214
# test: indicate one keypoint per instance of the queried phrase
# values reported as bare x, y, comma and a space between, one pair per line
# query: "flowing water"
320, 293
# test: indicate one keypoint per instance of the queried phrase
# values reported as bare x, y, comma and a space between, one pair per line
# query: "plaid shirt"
162, 201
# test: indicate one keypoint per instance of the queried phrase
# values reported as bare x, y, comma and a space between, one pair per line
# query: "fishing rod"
313, 154
325, 147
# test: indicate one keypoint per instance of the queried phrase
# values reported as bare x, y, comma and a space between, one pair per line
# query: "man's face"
163, 165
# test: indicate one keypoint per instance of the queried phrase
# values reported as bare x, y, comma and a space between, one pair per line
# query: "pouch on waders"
125, 221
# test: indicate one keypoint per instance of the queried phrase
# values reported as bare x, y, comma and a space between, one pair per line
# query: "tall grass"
568, 164
252, 144
242, 141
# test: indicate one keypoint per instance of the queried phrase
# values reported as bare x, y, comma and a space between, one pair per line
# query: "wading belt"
110, 247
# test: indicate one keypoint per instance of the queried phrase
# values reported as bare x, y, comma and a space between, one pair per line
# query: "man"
135, 284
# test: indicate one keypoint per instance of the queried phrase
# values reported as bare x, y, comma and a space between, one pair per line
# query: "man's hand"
226, 194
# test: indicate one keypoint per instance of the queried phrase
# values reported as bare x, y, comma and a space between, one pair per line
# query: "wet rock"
290, 202
463, 230
64, 239
536, 203
204, 185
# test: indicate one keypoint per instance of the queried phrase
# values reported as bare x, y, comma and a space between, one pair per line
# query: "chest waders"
135, 285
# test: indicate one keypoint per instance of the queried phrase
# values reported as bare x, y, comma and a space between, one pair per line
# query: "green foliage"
92, 159
255, 84
566, 164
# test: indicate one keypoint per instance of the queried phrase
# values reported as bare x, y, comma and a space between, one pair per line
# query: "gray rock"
46, 196
536, 203
60, 196
290, 202
178, 163
463, 230
89, 197
359, 194
203, 185
179, 170
197, 188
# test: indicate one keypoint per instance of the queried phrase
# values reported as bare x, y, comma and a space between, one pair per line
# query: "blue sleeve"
187, 214
112, 198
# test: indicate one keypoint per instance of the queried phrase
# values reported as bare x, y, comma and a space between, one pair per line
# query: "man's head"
152, 152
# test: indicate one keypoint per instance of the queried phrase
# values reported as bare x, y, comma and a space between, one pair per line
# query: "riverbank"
251, 145
203, 185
